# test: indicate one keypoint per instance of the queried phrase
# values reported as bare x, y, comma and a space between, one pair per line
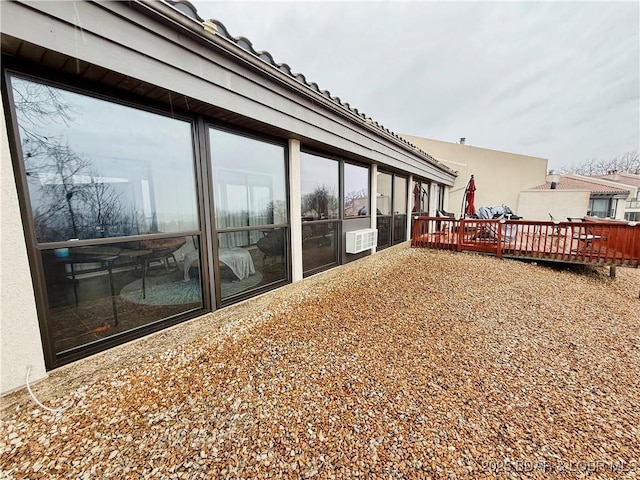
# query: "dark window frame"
215, 231
342, 186
34, 249
337, 221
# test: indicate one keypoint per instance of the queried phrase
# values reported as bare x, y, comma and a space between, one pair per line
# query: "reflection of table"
104, 256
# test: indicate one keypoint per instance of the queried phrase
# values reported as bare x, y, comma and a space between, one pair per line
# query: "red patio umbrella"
470, 195
416, 198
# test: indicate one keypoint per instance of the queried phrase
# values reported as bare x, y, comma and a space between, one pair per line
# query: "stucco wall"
20, 344
537, 204
500, 176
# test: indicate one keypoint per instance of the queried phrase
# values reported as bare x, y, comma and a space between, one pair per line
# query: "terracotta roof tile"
624, 178
217, 27
570, 183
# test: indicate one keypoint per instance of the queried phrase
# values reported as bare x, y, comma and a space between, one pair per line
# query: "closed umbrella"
470, 195
416, 198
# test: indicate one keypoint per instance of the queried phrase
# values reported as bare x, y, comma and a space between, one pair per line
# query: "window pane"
425, 189
599, 207
319, 245
98, 169
383, 199
98, 291
384, 231
400, 195
420, 198
319, 181
251, 259
249, 181
399, 228
356, 190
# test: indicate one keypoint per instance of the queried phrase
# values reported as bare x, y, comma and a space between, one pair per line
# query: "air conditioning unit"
361, 240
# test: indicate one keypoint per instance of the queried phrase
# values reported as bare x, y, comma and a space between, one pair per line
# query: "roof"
216, 27
624, 178
570, 183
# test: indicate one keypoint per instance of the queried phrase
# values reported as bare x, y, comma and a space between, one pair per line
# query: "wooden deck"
602, 243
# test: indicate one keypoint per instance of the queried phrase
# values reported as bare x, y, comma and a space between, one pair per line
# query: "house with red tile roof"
632, 205
574, 196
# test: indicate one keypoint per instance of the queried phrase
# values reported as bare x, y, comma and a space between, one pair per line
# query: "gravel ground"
408, 364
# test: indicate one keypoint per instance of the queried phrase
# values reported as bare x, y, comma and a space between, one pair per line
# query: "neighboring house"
499, 176
155, 168
632, 205
574, 196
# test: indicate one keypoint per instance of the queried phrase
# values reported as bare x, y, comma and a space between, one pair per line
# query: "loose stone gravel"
408, 364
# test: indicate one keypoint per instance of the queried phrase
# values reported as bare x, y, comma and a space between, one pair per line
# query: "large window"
391, 209
420, 198
250, 195
356, 190
384, 198
319, 181
399, 209
600, 207
96, 169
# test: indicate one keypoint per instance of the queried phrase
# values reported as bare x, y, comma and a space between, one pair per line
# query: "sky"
558, 80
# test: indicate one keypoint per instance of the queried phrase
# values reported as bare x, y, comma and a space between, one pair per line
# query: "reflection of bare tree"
60, 193
275, 212
70, 200
354, 201
321, 203
103, 205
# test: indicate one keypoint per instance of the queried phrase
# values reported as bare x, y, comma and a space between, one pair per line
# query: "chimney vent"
462, 140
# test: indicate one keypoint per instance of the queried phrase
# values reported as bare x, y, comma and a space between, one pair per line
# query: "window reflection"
420, 198
400, 195
384, 231
356, 190
319, 180
246, 265
399, 209
98, 169
249, 181
320, 186
98, 291
319, 245
383, 199
250, 191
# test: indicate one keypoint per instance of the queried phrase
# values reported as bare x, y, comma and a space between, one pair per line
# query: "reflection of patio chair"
272, 244
162, 249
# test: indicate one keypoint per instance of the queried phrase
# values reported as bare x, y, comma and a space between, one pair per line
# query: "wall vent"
361, 240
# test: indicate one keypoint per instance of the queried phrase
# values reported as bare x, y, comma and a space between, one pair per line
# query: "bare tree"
629, 162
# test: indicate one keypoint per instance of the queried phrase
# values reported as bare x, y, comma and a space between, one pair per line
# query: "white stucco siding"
499, 176
538, 204
20, 344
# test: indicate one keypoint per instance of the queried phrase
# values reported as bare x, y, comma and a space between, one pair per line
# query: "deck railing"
605, 243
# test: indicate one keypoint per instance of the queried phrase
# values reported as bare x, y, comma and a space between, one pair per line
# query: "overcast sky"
556, 80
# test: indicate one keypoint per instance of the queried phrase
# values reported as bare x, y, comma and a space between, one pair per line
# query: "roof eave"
204, 31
